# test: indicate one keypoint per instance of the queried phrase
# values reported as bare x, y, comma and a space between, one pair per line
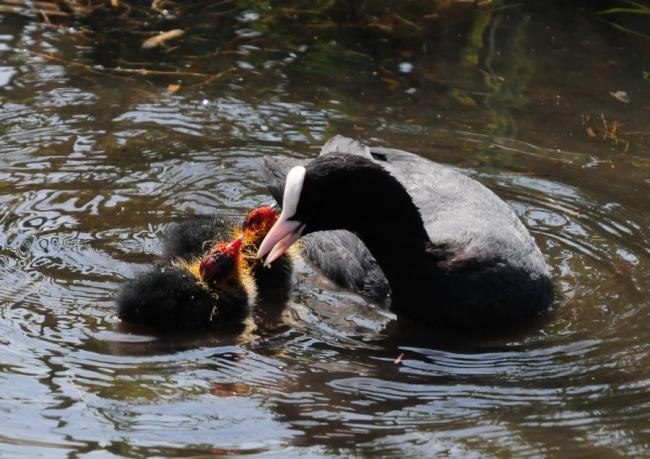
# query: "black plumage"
168, 297
193, 236
453, 253
338, 254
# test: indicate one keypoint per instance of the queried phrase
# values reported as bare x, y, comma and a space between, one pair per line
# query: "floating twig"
211, 79
161, 38
141, 71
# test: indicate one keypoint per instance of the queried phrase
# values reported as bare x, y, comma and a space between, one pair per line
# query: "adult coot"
188, 291
453, 253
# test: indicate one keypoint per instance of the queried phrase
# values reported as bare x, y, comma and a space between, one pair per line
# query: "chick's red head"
222, 261
258, 223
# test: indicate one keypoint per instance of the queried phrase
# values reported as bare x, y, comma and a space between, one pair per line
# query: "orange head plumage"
222, 262
225, 261
257, 224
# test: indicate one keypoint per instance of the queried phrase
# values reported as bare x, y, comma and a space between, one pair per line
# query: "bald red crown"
221, 261
260, 220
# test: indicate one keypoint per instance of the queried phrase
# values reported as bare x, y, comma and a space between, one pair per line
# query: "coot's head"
338, 191
222, 262
258, 223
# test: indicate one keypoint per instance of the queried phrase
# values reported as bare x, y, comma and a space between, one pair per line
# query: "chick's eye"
224, 264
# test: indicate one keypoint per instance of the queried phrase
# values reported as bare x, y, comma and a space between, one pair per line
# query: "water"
94, 165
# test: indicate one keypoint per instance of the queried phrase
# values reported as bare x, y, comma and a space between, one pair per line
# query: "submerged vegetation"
121, 30
405, 48
628, 16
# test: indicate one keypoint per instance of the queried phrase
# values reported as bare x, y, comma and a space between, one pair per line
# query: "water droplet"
405, 67
249, 16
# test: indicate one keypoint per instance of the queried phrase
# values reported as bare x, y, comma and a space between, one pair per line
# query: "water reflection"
94, 165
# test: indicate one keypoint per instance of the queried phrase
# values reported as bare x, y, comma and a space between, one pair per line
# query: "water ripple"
93, 168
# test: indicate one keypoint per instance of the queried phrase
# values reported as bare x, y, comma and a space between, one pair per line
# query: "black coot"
452, 251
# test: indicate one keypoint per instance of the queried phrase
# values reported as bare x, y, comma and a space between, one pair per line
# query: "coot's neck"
406, 257
369, 201
400, 244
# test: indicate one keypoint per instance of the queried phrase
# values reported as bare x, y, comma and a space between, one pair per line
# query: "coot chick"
192, 294
193, 288
454, 253
192, 238
256, 225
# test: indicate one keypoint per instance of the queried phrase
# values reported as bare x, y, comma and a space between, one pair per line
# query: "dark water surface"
93, 166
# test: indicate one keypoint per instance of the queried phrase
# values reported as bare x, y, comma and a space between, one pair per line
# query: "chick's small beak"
279, 239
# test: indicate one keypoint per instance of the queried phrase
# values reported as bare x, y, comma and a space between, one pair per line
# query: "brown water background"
93, 166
